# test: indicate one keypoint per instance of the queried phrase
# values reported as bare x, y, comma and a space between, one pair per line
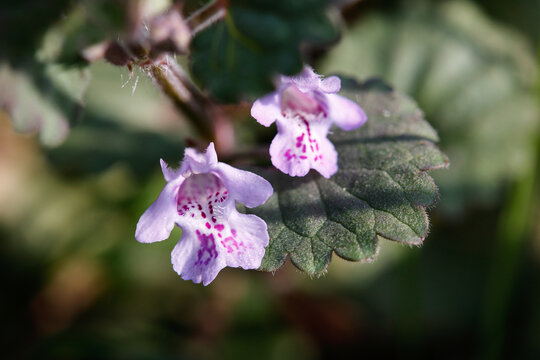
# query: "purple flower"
200, 197
304, 107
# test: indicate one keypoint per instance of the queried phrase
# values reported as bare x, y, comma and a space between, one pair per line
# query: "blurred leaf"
48, 103
80, 28
380, 191
239, 56
66, 26
474, 79
131, 125
523, 14
97, 144
41, 90
22, 24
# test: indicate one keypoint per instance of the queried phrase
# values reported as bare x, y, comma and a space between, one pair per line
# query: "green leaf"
474, 79
239, 56
380, 191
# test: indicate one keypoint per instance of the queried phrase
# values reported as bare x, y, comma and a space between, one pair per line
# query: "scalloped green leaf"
381, 190
239, 56
474, 78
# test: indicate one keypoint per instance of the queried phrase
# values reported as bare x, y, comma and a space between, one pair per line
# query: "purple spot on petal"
288, 155
208, 250
202, 188
230, 244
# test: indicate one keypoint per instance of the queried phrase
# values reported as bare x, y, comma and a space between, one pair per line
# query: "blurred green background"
76, 284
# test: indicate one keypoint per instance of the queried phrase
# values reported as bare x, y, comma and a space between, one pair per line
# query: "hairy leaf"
474, 79
257, 40
380, 191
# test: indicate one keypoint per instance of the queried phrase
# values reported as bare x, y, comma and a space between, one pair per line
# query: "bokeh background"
76, 284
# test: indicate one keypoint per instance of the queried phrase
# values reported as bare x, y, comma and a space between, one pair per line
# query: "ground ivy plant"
349, 160
380, 191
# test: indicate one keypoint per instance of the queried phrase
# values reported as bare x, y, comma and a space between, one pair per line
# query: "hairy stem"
207, 118
171, 79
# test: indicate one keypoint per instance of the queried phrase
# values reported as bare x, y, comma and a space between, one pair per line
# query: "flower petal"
330, 84
196, 162
201, 198
158, 220
306, 80
195, 257
244, 186
326, 163
235, 240
168, 173
267, 109
345, 113
245, 246
283, 150
300, 144
297, 102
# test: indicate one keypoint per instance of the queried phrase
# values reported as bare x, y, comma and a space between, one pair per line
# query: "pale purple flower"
304, 107
200, 197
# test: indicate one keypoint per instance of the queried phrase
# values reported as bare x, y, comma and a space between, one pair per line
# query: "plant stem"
206, 117
171, 79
